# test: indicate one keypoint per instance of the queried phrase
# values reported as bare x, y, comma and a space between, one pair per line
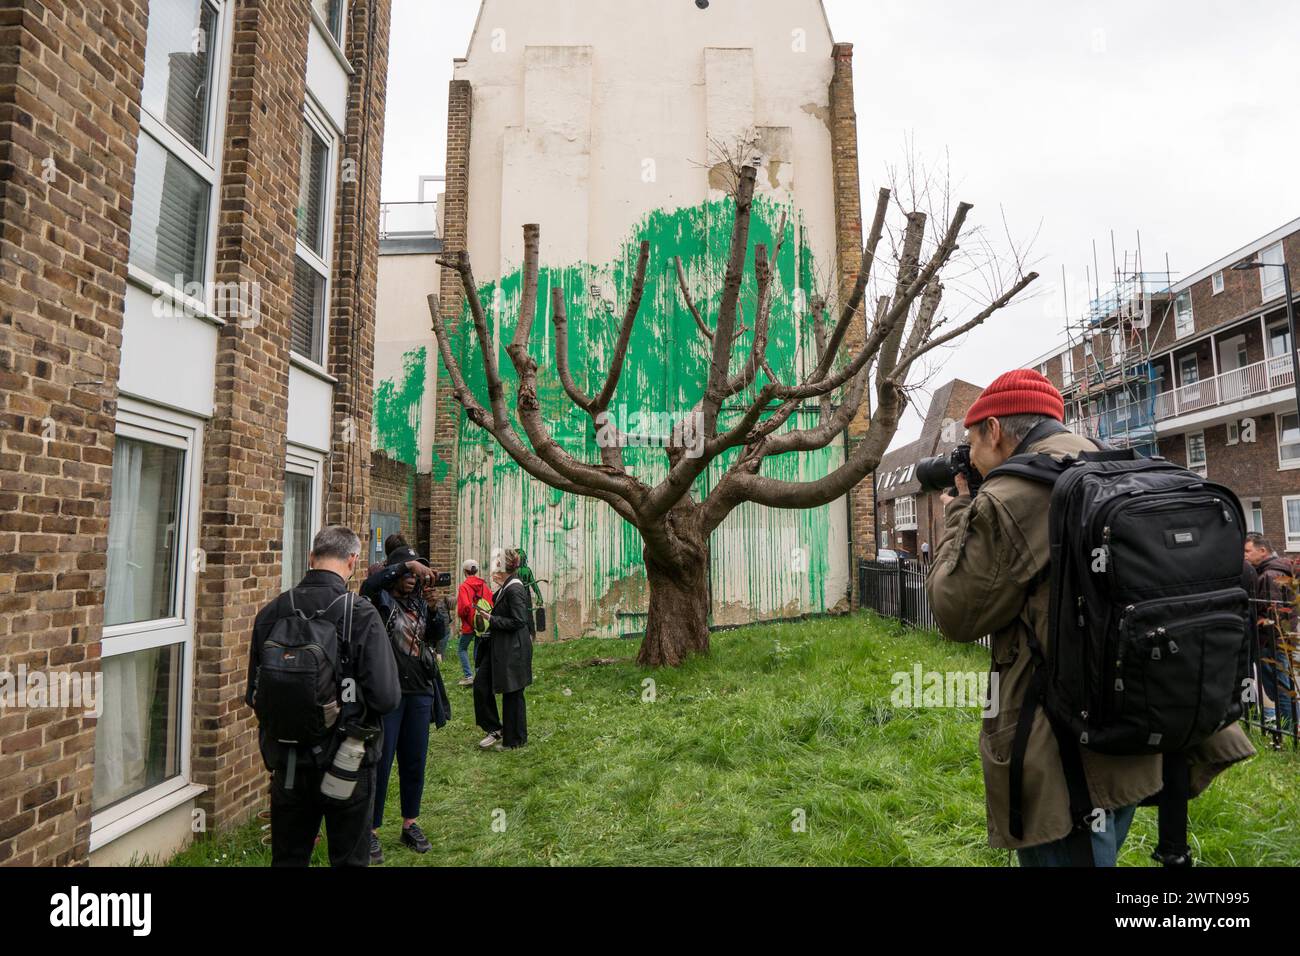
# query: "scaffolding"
1115, 385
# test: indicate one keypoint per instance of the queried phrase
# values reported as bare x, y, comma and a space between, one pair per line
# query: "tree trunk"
678, 624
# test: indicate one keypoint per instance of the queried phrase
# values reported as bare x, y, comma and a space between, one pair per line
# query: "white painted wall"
402, 325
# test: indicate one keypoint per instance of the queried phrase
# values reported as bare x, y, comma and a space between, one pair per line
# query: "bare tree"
675, 528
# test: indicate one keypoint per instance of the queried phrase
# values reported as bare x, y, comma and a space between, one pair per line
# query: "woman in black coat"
504, 663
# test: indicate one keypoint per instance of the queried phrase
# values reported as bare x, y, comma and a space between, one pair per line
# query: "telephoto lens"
341, 778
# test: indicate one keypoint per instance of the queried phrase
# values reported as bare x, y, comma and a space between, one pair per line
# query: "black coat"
510, 637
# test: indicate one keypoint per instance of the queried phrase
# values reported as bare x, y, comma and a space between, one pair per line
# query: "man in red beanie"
985, 580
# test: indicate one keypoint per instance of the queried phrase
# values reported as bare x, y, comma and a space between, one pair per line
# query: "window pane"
308, 311
1196, 450
1289, 440
138, 736
311, 190
297, 528
170, 219
143, 532
177, 67
1271, 279
331, 11
1279, 340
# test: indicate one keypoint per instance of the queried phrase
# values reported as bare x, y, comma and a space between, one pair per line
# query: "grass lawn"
779, 719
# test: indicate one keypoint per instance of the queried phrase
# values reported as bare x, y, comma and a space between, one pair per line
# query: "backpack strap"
1076, 782
1040, 467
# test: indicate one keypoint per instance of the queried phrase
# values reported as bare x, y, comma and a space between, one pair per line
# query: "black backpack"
1148, 628
298, 691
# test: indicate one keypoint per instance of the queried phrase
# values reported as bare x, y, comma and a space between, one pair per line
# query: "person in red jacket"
467, 595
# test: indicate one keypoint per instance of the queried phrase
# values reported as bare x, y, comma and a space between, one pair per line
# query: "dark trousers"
406, 738
514, 728
296, 817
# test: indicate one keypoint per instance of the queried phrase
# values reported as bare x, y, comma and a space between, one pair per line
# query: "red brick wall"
70, 79
447, 413
244, 442
848, 250
356, 264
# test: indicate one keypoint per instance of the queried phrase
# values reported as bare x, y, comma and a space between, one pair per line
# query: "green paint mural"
765, 563
398, 405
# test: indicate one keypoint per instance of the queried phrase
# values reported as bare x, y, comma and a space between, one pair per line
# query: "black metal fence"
896, 589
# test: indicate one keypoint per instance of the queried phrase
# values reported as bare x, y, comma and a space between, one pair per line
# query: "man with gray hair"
356, 656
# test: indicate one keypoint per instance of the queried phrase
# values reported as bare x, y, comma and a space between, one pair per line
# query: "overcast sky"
1074, 120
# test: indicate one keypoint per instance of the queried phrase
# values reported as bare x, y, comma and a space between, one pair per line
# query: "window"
1279, 340
143, 532
331, 14
1291, 512
138, 737
1254, 516
1216, 283
1288, 440
1184, 322
311, 271
176, 159
905, 514
1234, 433
303, 479
1271, 280
142, 735
1196, 452
1067, 367
297, 528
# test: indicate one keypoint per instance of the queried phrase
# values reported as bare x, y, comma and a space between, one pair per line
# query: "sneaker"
465, 681
376, 851
491, 740
414, 837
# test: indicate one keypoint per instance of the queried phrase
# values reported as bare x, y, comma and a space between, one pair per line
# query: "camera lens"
702, 4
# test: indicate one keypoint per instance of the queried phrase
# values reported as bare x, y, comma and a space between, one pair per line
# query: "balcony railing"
1135, 418
408, 220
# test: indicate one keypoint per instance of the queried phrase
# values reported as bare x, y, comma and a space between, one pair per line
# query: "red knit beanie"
1022, 392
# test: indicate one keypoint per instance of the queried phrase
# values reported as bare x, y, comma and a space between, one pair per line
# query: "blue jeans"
1105, 845
1275, 679
406, 737
463, 650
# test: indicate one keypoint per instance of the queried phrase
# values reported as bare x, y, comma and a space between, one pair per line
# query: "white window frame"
1271, 281
204, 166
1284, 464
1216, 283
321, 264
1067, 367
148, 423
1181, 331
303, 461
336, 41
1254, 509
1201, 468
905, 513
1292, 535
1234, 433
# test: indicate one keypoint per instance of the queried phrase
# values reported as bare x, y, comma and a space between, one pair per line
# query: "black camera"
939, 472
444, 579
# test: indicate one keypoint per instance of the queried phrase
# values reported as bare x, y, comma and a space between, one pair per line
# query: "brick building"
1199, 371
189, 191
907, 515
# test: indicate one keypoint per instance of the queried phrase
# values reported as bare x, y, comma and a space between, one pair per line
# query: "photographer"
987, 579
396, 590
318, 608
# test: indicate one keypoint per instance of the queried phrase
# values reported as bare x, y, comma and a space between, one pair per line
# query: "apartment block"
189, 193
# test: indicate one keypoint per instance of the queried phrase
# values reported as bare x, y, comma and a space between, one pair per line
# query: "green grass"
778, 719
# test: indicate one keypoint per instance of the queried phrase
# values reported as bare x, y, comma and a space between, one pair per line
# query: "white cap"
470, 566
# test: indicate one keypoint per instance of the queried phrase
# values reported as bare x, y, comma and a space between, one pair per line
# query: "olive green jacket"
991, 551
